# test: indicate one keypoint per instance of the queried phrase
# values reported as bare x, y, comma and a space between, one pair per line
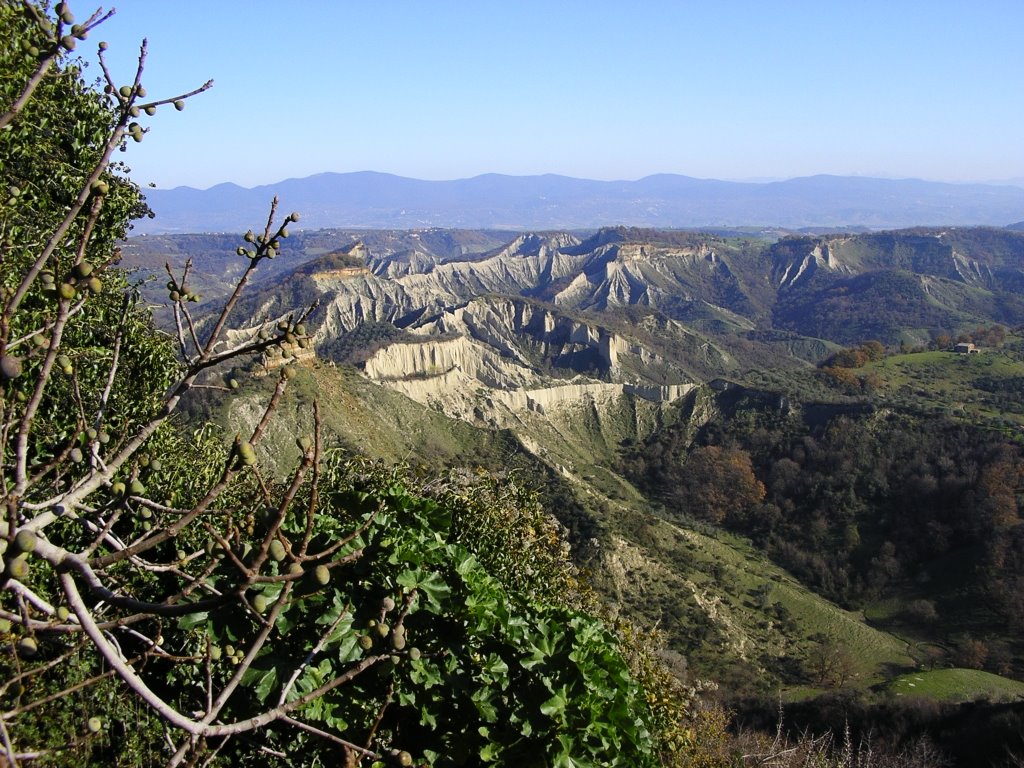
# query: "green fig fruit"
277, 550
215, 652
322, 575
137, 488
25, 540
76, 455
27, 646
414, 653
247, 454
125, 91
95, 285
365, 642
259, 603
94, 724
63, 614
118, 488
18, 567
82, 270
10, 367
66, 291
179, 105
68, 42
388, 604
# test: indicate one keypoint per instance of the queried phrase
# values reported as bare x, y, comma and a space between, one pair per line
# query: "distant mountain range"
378, 200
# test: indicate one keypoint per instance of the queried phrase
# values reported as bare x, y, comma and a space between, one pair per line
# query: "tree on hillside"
717, 482
162, 598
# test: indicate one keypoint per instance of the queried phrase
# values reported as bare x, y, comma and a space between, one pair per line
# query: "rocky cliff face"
544, 318
479, 335
494, 357
511, 330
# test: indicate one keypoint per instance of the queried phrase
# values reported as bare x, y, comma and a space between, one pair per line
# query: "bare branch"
312, 655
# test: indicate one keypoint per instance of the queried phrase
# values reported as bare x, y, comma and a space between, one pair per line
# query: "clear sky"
446, 89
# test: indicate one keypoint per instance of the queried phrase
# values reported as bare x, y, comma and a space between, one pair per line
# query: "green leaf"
261, 679
431, 585
555, 706
193, 620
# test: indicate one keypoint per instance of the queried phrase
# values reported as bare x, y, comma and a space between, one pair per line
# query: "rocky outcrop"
467, 379
434, 359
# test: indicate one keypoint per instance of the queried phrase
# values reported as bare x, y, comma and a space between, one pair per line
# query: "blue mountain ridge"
379, 200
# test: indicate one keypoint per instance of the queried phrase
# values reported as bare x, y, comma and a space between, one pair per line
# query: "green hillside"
736, 617
957, 685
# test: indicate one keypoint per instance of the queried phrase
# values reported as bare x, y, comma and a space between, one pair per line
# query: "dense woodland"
857, 504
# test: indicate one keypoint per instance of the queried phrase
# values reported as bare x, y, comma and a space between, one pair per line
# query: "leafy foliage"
339, 613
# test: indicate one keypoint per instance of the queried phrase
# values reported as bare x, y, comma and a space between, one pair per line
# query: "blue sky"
439, 89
